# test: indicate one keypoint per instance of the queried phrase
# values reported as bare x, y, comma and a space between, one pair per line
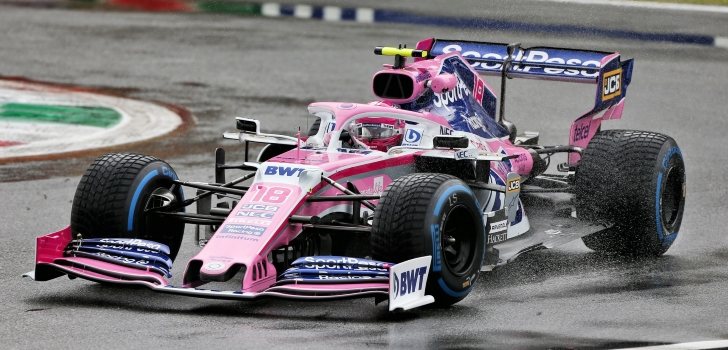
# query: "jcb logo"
513, 185
612, 84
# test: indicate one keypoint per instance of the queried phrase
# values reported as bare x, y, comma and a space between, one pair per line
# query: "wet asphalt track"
220, 67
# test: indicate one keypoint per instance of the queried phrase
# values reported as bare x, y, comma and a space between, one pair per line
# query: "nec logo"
611, 84
255, 214
283, 171
410, 281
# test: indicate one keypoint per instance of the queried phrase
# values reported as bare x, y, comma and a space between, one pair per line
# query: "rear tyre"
112, 194
634, 181
432, 214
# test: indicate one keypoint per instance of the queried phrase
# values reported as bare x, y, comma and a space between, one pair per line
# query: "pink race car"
407, 198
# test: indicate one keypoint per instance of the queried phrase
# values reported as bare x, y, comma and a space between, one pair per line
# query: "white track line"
698, 345
140, 121
650, 5
721, 42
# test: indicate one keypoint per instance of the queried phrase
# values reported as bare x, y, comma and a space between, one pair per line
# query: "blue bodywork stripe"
135, 198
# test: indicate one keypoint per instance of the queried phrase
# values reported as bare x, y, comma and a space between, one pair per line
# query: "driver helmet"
378, 133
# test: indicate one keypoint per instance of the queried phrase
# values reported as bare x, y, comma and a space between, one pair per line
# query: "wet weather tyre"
634, 181
432, 214
112, 194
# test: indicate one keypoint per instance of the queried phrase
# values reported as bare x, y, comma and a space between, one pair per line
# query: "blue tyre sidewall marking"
166, 172
666, 240
435, 235
135, 198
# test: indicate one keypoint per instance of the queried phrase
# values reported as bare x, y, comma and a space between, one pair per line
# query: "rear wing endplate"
604, 69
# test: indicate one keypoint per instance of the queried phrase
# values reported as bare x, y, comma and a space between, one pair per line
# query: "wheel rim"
458, 240
671, 200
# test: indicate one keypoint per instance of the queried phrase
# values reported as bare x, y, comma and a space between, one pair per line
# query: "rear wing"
604, 69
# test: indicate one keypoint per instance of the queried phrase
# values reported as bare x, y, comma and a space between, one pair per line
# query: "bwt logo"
412, 136
611, 84
283, 171
410, 281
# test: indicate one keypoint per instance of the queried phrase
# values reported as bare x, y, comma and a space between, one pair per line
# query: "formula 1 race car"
407, 198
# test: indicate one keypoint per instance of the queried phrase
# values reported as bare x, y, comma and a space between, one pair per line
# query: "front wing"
53, 260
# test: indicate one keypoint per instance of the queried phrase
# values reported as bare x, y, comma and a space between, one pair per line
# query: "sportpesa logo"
583, 66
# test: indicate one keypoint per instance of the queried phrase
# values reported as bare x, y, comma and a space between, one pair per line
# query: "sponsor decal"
497, 238
378, 186
582, 131
470, 153
346, 277
283, 171
129, 244
412, 136
479, 90
611, 84
445, 130
252, 221
475, 122
583, 59
236, 236
451, 96
513, 185
330, 127
423, 76
340, 262
409, 282
498, 226
254, 214
214, 266
308, 273
353, 150
260, 207
129, 260
375, 125
251, 230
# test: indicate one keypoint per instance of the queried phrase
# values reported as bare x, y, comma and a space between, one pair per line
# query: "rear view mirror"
443, 82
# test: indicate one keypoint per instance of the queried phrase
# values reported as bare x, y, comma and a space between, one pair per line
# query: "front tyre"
634, 181
111, 197
432, 214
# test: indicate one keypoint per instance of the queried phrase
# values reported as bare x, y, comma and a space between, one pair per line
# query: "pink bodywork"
272, 199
